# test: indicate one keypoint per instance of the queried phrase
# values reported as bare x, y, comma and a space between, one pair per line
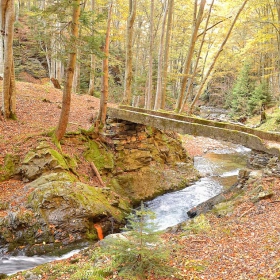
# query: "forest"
76, 178
166, 55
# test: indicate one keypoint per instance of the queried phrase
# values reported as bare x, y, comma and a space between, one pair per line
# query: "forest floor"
242, 244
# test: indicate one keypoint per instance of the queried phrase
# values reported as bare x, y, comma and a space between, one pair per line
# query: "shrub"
139, 252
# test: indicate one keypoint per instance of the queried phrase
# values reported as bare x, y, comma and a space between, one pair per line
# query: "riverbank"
240, 239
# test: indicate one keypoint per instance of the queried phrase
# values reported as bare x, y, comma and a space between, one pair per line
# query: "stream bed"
218, 168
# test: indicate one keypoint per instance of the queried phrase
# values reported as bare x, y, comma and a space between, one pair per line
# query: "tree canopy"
163, 54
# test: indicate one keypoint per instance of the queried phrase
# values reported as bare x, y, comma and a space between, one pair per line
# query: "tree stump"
55, 83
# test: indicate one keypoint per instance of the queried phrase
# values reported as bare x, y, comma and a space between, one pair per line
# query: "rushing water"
218, 168
10, 265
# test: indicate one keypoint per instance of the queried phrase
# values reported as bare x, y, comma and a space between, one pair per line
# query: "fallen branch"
95, 170
246, 212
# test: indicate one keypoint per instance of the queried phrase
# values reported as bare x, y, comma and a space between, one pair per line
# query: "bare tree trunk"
148, 100
216, 58
92, 60
1, 56
77, 75
166, 54
196, 23
158, 98
194, 71
129, 54
105, 81
7, 27
66, 101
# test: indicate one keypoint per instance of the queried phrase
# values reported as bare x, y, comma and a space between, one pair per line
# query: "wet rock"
259, 160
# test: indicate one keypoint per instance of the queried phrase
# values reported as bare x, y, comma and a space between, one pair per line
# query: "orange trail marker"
99, 231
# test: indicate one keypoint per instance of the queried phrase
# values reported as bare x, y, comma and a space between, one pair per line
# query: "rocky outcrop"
62, 205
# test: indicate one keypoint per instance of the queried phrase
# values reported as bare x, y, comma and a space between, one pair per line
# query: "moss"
101, 157
198, 224
4, 205
9, 167
29, 156
60, 159
91, 235
223, 208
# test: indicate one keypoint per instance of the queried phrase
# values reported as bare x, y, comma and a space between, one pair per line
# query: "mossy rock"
99, 155
148, 182
72, 205
224, 208
134, 160
52, 177
44, 160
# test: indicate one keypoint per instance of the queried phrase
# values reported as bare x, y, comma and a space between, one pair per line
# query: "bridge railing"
270, 136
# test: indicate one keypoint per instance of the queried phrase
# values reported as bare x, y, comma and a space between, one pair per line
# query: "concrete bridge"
252, 138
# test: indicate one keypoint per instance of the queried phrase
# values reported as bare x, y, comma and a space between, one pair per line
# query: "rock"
224, 208
9, 168
61, 209
44, 160
262, 195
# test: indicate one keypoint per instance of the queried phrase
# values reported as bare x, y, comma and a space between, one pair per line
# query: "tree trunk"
194, 71
66, 100
129, 54
216, 58
77, 75
158, 98
166, 54
105, 81
196, 23
7, 27
1, 56
148, 100
92, 62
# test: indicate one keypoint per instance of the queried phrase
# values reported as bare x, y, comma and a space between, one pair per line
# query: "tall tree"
201, 87
197, 18
129, 53
7, 28
194, 70
158, 98
166, 52
105, 80
92, 59
148, 99
66, 100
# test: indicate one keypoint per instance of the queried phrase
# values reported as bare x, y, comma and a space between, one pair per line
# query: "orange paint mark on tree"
99, 231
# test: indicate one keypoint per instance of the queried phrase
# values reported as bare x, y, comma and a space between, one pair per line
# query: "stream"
218, 168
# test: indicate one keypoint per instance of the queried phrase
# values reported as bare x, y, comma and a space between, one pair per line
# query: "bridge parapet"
270, 136
247, 137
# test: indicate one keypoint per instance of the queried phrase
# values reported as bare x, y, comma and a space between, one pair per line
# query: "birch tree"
7, 29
